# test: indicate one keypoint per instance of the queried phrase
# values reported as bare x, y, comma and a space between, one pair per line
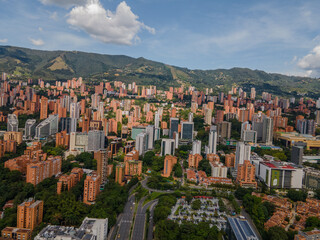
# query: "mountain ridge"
26, 63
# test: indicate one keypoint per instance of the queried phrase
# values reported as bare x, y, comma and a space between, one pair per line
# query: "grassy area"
152, 196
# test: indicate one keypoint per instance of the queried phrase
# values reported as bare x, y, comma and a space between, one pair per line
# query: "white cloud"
5, 40
64, 3
311, 62
36, 42
119, 27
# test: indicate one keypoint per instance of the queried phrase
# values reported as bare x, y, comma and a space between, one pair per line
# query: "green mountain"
26, 63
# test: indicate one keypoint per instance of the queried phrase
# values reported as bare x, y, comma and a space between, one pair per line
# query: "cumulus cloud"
64, 3
119, 27
5, 40
37, 42
311, 62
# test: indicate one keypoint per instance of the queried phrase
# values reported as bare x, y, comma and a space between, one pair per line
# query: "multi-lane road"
140, 220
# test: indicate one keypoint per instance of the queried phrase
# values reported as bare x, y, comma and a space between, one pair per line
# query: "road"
150, 229
114, 229
125, 223
140, 220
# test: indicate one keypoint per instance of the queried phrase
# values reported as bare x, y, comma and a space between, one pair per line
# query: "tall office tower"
101, 110
224, 130
75, 110
167, 147
221, 97
95, 99
156, 119
190, 117
47, 127
187, 130
253, 93
176, 139
91, 188
249, 136
196, 147
258, 127
157, 134
96, 140
297, 155
30, 129
243, 152
102, 164
29, 214
244, 127
12, 123
142, 143
212, 148
150, 130
68, 124
208, 116
78, 142
246, 174
318, 117
43, 108
267, 135
174, 126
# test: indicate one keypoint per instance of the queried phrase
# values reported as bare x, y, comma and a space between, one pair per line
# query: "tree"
177, 170
241, 192
167, 230
297, 195
205, 166
196, 204
277, 233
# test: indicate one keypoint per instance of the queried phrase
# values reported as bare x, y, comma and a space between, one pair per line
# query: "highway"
140, 220
144, 185
150, 229
125, 221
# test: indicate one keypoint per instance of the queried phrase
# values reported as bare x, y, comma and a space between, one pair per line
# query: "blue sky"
275, 36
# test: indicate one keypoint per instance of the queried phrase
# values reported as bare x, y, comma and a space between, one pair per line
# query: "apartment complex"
29, 214
91, 188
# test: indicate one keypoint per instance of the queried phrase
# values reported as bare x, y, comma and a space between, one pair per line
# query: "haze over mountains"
52, 65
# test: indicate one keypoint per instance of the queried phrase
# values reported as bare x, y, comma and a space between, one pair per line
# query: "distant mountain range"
62, 65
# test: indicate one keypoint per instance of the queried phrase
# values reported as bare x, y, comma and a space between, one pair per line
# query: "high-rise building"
246, 174
133, 168
102, 164
167, 147
78, 142
142, 143
38, 171
120, 173
30, 129
91, 188
267, 134
12, 123
219, 170
306, 126
174, 126
193, 160
258, 127
156, 120
187, 130
208, 116
169, 163
212, 148
47, 127
243, 153
249, 136
75, 110
196, 147
43, 108
29, 214
68, 124
150, 131
296, 155
224, 130
96, 140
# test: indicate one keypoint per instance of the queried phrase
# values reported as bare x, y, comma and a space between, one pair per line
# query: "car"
119, 235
